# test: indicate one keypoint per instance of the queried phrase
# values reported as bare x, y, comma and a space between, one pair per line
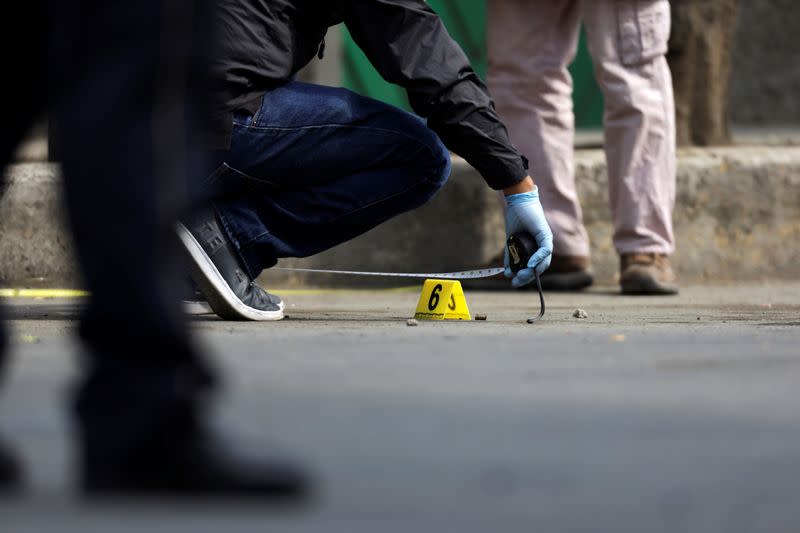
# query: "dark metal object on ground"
541, 300
521, 246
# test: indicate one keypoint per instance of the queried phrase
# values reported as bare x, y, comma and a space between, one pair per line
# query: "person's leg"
531, 43
122, 153
129, 141
628, 40
10, 468
317, 166
24, 100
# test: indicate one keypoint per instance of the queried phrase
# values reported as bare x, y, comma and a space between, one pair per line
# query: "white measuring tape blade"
465, 274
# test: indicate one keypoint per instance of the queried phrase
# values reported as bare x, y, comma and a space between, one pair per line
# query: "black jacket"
263, 43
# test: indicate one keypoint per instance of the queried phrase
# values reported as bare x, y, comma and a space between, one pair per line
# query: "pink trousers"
531, 43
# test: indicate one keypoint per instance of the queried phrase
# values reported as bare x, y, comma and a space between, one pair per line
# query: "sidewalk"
377, 312
696, 307
652, 415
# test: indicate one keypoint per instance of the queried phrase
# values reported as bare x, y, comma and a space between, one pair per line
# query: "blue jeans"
317, 166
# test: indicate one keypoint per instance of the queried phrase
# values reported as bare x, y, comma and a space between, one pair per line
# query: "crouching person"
303, 168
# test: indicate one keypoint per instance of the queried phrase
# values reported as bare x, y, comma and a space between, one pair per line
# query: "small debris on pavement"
580, 313
618, 338
411, 322
480, 317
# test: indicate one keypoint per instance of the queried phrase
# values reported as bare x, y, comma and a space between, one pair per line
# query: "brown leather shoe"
646, 273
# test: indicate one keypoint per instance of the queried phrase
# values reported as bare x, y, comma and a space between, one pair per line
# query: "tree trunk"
700, 56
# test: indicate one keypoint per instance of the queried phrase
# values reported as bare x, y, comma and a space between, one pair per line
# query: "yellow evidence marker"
442, 299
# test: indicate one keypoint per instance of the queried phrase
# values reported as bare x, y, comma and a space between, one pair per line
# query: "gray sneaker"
219, 273
195, 302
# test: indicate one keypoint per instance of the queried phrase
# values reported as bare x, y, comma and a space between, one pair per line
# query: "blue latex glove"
525, 213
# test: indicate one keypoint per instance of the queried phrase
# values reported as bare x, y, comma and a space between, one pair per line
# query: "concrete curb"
35, 245
737, 218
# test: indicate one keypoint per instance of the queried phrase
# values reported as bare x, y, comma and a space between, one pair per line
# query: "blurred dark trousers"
114, 76
317, 166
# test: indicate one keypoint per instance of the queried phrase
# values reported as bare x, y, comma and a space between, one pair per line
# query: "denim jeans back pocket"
242, 117
643, 28
247, 115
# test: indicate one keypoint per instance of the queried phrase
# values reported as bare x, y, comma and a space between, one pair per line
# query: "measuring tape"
520, 246
465, 274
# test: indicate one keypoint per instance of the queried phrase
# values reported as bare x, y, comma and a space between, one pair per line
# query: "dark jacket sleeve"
408, 44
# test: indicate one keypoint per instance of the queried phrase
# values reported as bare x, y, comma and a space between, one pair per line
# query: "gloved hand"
524, 213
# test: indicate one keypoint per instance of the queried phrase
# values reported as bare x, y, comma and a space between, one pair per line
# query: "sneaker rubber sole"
197, 308
201, 307
221, 297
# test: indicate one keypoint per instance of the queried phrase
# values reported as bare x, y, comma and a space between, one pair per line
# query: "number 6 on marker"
434, 301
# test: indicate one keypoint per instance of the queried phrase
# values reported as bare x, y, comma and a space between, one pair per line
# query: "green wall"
466, 22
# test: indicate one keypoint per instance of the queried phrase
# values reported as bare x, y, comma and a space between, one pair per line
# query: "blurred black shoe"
194, 466
10, 471
567, 273
218, 271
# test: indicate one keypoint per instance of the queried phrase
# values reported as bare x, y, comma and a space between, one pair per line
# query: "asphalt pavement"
671, 414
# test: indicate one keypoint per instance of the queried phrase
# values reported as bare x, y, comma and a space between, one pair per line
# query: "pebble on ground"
411, 322
580, 313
